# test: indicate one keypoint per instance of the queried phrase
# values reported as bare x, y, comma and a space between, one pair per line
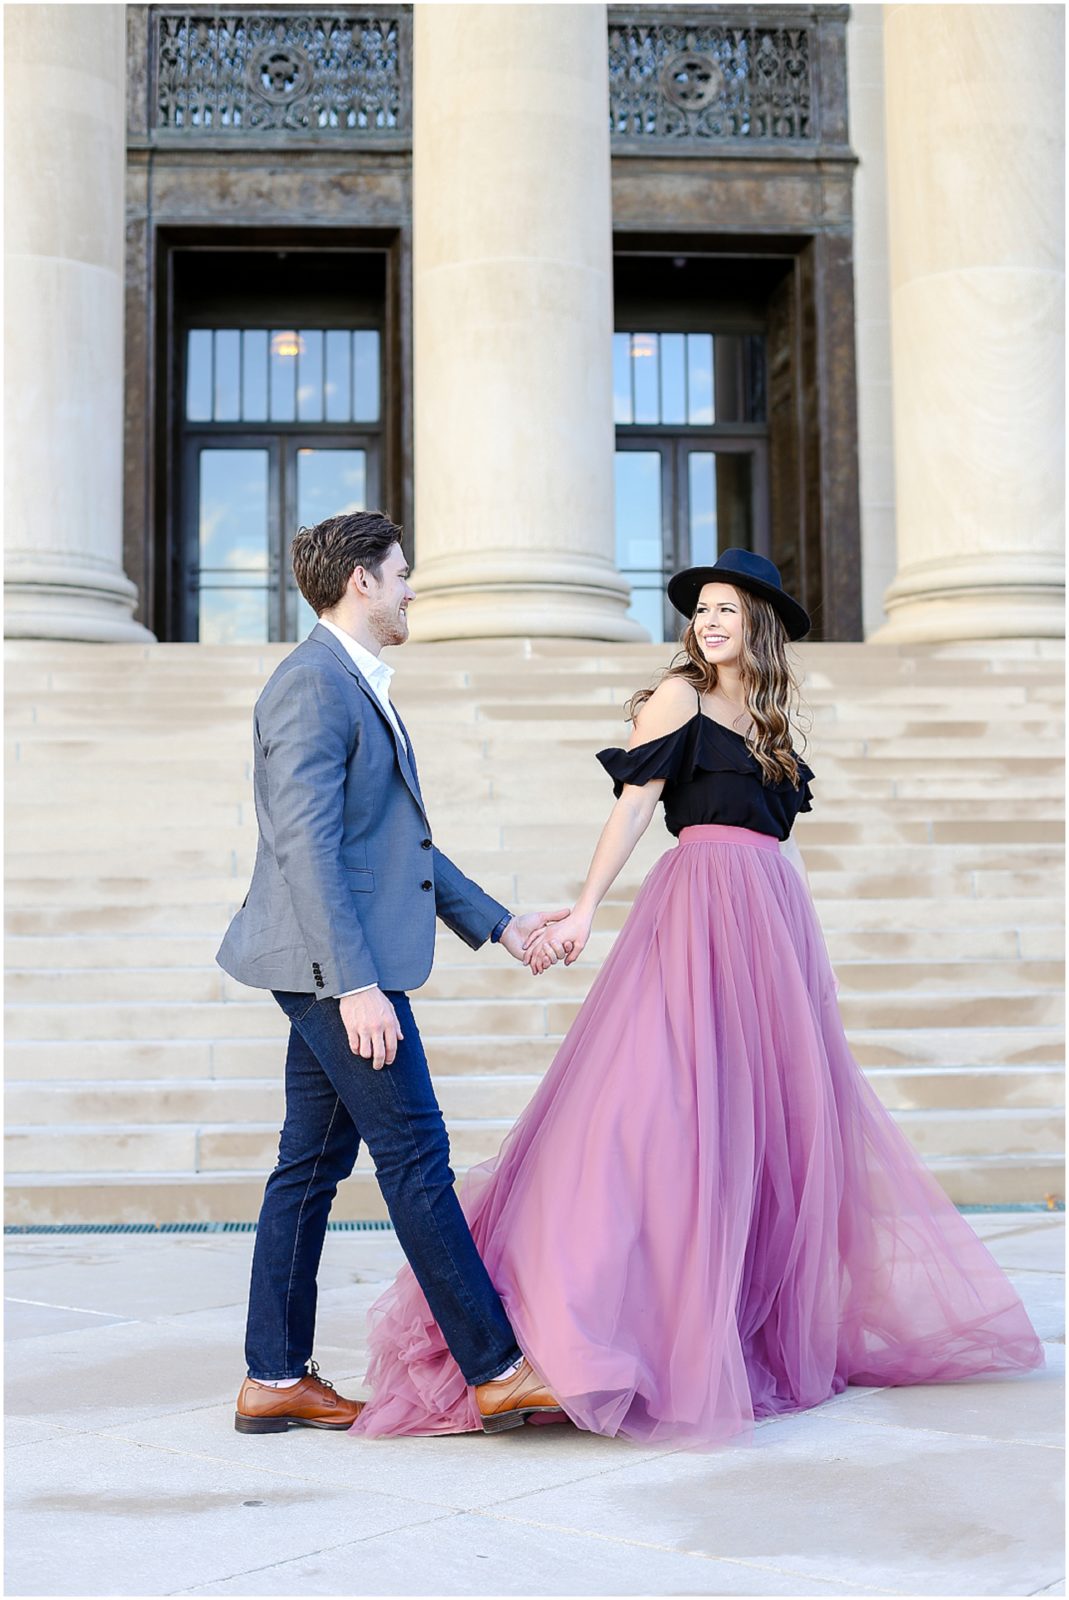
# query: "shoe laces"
313, 1372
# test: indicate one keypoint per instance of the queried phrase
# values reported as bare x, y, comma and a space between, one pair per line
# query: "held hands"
522, 929
564, 939
371, 1025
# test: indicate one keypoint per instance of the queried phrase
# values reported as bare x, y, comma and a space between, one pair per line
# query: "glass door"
231, 542
691, 458
281, 428
644, 484
678, 504
323, 479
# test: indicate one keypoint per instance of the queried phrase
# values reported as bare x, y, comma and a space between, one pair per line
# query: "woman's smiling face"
718, 624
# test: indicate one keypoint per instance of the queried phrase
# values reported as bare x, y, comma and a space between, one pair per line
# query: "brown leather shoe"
312, 1403
508, 1402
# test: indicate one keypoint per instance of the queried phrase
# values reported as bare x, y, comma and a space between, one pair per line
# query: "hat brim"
685, 588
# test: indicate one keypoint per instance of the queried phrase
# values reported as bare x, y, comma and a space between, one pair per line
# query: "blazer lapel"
402, 744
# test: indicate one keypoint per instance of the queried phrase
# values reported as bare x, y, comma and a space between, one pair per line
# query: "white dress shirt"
378, 675
374, 669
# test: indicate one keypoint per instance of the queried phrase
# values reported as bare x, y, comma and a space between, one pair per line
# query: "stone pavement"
125, 1475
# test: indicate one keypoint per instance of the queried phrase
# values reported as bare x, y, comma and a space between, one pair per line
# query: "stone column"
65, 80
975, 124
512, 286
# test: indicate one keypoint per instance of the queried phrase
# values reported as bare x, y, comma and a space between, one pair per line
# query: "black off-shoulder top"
711, 776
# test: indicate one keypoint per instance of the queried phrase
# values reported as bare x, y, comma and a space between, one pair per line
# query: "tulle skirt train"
705, 1215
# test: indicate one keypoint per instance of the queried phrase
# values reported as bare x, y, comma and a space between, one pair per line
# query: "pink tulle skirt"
705, 1215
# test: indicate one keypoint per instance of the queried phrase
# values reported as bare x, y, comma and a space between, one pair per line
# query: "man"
339, 923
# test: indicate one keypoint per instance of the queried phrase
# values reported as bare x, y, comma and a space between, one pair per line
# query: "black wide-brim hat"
745, 570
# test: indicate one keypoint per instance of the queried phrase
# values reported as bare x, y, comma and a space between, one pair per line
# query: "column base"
501, 596
976, 598
85, 605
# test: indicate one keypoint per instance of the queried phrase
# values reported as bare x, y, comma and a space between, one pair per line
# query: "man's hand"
566, 938
371, 1024
521, 929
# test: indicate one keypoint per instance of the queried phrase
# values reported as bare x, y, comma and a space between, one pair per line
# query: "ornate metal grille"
697, 80
326, 72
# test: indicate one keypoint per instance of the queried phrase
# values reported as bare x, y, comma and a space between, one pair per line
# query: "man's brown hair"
325, 557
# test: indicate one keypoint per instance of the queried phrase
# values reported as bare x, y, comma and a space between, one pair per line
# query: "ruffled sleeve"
805, 800
671, 757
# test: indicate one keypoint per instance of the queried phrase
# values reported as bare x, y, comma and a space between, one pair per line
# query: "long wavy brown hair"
769, 679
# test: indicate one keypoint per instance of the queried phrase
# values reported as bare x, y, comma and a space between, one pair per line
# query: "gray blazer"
347, 880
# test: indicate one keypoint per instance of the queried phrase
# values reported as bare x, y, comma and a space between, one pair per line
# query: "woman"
705, 1215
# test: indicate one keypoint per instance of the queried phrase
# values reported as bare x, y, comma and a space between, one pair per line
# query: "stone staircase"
144, 1085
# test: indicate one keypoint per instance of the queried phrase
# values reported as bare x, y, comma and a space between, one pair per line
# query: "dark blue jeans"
333, 1100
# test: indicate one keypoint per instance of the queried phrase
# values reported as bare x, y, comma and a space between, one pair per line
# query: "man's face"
388, 606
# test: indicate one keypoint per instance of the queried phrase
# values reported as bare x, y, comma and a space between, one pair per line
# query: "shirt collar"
370, 665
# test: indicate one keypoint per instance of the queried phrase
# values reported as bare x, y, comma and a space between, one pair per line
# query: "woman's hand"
564, 940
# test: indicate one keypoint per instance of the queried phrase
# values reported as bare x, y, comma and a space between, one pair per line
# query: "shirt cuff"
496, 933
364, 987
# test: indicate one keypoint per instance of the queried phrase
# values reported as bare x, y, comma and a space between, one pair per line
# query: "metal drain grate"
178, 1227
351, 1227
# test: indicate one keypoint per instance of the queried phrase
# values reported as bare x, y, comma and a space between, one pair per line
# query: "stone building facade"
578, 294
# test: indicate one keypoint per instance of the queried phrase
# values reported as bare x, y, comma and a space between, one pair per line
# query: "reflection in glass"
254, 375
227, 374
639, 536
700, 378
285, 348
199, 375
673, 378
647, 608
233, 510
339, 376
232, 540
310, 375
233, 616
701, 486
366, 376
645, 376
621, 377
328, 482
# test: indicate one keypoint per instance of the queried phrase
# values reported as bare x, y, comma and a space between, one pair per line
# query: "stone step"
156, 807
244, 1101
39, 1198
499, 979
227, 712
548, 753
539, 884
930, 1049
253, 1147
827, 717
32, 836
539, 1013
887, 919
857, 956
165, 861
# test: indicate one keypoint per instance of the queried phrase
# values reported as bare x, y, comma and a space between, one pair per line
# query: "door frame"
282, 447
674, 445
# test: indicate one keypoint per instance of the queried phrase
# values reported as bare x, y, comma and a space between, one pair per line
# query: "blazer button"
320, 983
426, 844
426, 884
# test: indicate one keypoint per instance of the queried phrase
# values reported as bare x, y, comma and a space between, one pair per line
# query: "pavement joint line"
241, 1465
55, 1305
695, 1555
326, 1549
945, 1433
